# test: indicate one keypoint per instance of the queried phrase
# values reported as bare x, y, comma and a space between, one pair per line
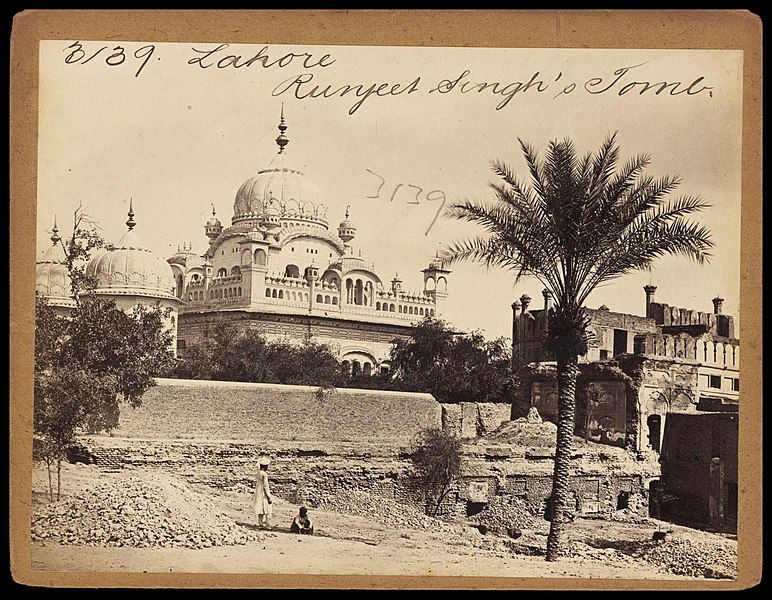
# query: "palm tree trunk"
567, 372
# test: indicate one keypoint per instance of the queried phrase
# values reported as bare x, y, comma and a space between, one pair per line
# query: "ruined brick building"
665, 383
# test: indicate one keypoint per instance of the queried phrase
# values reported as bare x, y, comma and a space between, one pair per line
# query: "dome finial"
282, 139
131, 223
55, 233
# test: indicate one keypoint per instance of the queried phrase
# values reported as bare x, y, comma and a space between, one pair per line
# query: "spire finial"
214, 213
55, 233
347, 207
131, 223
282, 139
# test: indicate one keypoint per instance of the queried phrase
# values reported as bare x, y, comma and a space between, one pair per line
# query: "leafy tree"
85, 364
87, 361
583, 221
452, 366
235, 354
436, 459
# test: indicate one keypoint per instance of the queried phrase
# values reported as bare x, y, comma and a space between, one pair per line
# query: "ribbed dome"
277, 190
52, 279
185, 258
130, 269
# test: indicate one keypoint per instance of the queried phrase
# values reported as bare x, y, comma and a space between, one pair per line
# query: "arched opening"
356, 368
239, 289
392, 308
326, 299
367, 370
222, 272
319, 298
281, 294
359, 293
294, 297
430, 284
274, 294
260, 257
377, 306
442, 284
623, 500
334, 301
267, 292
349, 291
292, 271
654, 424
236, 270
345, 368
179, 286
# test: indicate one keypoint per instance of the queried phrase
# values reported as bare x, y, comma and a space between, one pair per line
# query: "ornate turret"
213, 227
396, 284
347, 231
52, 279
436, 282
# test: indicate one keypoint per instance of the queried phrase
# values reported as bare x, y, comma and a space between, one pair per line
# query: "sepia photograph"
435, 315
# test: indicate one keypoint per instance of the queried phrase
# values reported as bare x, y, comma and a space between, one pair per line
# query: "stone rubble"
693, 558
381, 510
152, 511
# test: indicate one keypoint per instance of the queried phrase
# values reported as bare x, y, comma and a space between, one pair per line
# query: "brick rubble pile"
694, 558
152, 511
382, 510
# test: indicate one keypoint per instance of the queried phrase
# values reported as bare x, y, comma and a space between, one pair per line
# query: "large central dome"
278, 191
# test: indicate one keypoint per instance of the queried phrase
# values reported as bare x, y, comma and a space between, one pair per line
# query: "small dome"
52, 279
131, 269
185, 258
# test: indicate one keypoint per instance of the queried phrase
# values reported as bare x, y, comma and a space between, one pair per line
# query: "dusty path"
344, 545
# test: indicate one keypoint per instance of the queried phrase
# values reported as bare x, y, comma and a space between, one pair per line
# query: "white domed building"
279, 269
52, 279
132, 275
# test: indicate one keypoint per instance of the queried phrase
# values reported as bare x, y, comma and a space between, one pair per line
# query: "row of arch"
707, 351
407, 310
219, 293
223, 272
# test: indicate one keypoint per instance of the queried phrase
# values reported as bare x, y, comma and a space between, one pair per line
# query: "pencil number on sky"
112, 57
413, 192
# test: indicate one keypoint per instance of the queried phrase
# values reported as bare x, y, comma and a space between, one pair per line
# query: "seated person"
301, 523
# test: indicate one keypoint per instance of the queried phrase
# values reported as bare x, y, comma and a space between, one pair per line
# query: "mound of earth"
154, 510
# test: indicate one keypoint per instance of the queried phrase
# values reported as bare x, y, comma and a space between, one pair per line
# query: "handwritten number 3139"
432, 196
79, 56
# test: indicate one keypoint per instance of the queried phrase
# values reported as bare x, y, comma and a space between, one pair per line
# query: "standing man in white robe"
263, 498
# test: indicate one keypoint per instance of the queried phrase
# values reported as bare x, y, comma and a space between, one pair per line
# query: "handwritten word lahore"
214, 58
433, 196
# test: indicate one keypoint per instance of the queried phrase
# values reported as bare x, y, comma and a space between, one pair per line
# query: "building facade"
280, 269
667, 383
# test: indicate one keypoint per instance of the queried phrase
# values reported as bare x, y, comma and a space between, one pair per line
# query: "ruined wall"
699, 467
263, 413
472, 419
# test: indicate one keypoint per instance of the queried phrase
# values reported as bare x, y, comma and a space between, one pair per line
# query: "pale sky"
177, 138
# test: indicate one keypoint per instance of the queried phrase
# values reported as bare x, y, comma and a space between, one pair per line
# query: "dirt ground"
351, 545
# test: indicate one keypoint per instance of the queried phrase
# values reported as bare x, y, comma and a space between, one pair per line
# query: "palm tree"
581, 221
